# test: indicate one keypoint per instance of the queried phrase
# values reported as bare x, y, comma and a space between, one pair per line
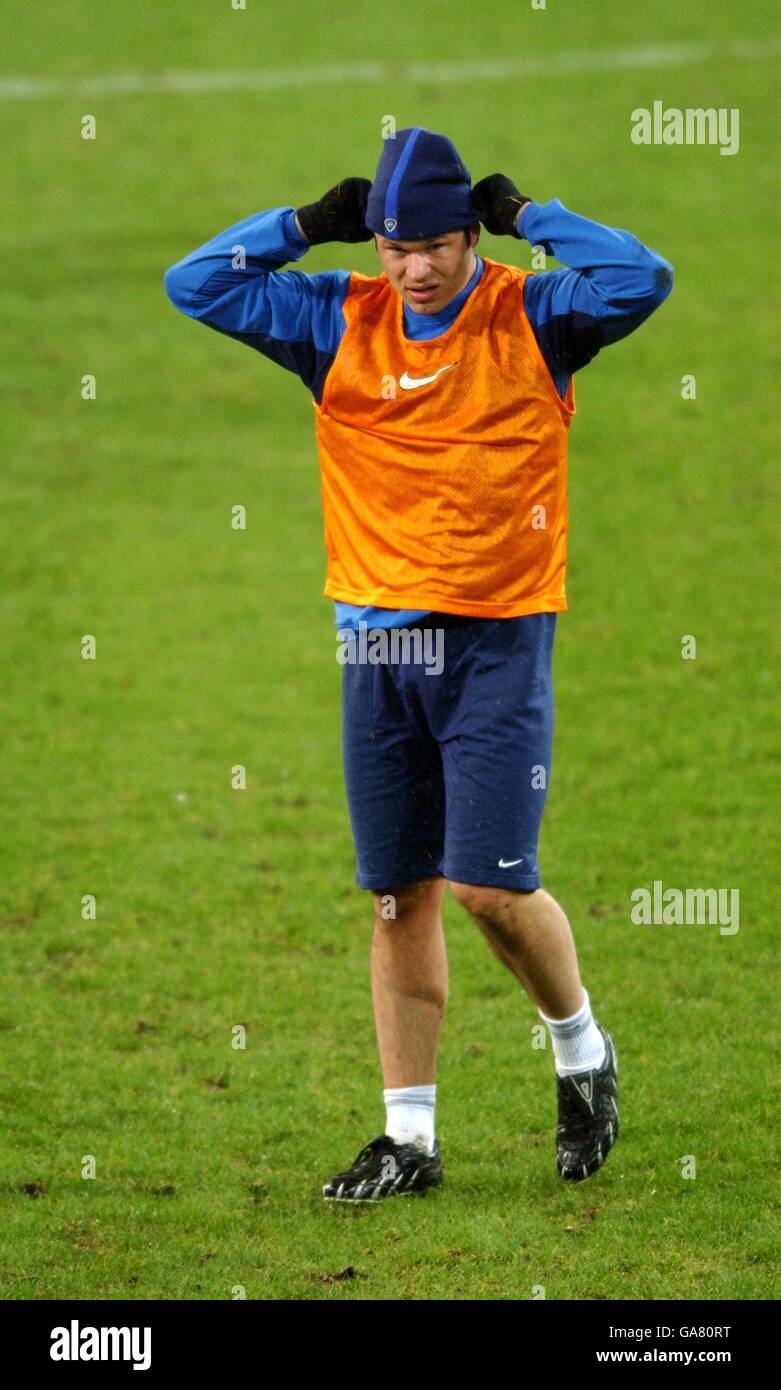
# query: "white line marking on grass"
332, 74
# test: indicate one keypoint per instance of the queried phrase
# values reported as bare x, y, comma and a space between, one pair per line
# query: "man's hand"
338, 215
498, 203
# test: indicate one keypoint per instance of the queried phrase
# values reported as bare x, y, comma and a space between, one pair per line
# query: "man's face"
428, 274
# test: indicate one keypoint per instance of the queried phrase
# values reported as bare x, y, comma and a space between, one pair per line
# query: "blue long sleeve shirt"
235, 284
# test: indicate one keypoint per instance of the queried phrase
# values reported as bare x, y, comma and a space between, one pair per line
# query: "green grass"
214, 647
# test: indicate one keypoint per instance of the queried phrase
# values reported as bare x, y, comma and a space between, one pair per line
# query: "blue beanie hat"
422, 187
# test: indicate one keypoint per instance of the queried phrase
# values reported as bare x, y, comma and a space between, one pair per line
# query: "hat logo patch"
390, 224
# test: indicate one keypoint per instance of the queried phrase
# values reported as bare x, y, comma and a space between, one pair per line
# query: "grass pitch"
218, 908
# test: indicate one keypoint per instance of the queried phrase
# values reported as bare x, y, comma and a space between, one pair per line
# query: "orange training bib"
444, 463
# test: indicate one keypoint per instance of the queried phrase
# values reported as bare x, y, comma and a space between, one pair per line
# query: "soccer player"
443, 394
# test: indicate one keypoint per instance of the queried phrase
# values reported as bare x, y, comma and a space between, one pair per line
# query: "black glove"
496, 201
338, 215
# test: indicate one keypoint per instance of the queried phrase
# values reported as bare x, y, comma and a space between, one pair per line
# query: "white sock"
410, 1115
578, 1044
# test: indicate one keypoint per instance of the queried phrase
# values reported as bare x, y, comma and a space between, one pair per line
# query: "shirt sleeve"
612, 285
235, 284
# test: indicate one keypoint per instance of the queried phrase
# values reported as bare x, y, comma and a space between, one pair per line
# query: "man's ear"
475, 234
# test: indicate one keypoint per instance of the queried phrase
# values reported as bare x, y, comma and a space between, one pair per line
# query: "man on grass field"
443, 394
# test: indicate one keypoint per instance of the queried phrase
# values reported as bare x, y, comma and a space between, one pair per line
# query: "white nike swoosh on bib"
508, 863
411, 383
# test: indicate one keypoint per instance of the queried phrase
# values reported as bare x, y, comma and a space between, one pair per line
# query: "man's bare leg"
409, 981
530, 934
409, 985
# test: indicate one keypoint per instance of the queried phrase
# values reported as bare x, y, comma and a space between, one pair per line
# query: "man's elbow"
663, 277
177, 289
651, 287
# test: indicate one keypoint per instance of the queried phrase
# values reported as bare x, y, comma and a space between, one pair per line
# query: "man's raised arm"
612, 285
234, 283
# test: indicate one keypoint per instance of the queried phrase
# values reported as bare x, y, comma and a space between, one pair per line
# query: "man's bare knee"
489, 904
408, 902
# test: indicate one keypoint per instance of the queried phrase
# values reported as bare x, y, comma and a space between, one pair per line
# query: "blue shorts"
446, 774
